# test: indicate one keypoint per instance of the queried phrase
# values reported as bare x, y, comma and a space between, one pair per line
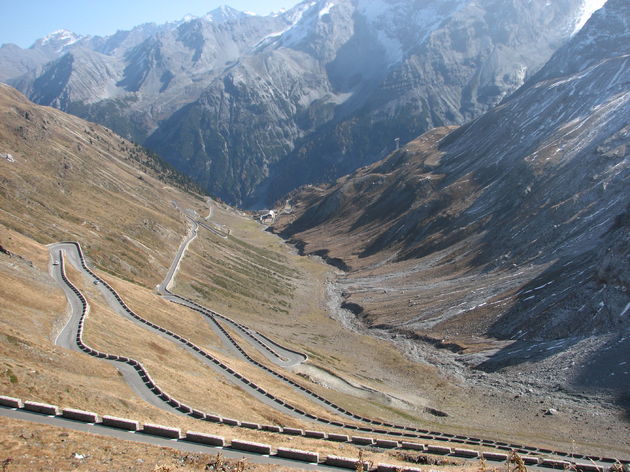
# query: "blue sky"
23, 21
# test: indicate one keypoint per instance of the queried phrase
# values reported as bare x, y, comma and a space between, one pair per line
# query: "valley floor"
531, 400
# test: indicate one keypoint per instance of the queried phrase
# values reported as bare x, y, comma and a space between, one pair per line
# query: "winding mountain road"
272, 351
67, 337
71, 333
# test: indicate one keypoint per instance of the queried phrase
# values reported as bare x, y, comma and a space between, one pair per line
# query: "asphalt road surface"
181, 445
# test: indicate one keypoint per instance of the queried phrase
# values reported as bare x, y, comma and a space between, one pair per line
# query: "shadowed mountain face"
515, 226
332, 92
256, 106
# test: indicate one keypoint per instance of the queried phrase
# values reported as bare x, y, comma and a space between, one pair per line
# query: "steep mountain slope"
513, 227
255, 106
62, 178
44, 194
453, 67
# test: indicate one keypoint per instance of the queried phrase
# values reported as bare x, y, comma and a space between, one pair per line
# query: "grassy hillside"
76, 180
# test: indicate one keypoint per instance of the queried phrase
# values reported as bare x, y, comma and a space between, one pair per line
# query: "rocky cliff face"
361, 74
255, 106
514, 226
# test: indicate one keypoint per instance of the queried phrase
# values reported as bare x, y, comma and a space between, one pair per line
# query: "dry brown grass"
176, 370
26, 446
182, 374
75, 180
70, 379
515, 463
32, 313
172, 316
62, 187
65, 187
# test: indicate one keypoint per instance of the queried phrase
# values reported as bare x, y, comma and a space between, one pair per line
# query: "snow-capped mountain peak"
60, 35
58, 39
223, 14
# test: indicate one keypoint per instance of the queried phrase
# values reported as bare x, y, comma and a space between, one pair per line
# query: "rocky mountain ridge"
353, 76
132, 79
255, 106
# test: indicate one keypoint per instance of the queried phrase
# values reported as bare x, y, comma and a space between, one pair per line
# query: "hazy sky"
23, 21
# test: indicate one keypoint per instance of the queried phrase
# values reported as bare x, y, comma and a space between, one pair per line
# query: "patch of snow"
297, 16
537, 288
269, 37
586, 11
385, 16
326, 10
282, 11
60, 35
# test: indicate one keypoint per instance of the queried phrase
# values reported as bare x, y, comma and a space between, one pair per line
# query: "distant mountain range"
253, 106
515, 226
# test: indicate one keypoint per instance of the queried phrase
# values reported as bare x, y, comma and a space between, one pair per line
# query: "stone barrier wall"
164, 431
80, 415
282, 452
298, 455
43, 408
249, 446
